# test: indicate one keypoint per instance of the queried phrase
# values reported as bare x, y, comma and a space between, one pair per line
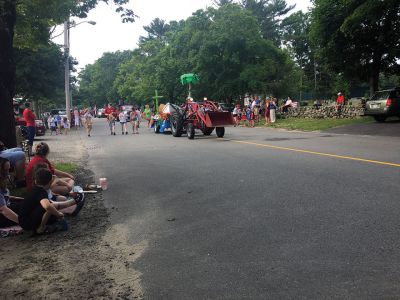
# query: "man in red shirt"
339, 102
30, 117
109, 110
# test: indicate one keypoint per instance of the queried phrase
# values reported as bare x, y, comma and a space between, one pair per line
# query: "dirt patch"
91, 260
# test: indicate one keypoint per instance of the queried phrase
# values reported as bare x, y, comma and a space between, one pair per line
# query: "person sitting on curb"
8, 208
16, 156
288, 104
37, 212
63, 183
73, 210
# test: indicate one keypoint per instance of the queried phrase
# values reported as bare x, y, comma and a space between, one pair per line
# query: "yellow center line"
318, 153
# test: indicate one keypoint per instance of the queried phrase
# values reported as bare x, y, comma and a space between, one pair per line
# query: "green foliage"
40, 73
358, 38
96, 80
66, 167
224, 46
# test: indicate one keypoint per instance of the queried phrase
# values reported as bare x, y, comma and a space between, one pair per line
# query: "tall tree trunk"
374, 71
373, 83
7, 72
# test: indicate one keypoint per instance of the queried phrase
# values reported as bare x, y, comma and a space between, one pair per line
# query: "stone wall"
322, 112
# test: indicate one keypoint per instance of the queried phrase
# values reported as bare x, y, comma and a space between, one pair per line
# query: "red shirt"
29, 117
110, 110
31, 167
340, 99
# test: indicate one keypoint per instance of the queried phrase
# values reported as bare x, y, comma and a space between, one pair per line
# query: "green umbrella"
190, 79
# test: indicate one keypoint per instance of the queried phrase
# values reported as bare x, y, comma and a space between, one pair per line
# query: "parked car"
59, 111
63, 114
384, 104
40, 128
101, 113
227, 106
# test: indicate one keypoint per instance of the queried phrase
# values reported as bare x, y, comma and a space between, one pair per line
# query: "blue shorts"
14, 155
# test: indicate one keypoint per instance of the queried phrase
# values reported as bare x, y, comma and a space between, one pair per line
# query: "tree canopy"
26, 25
359, 39
224, 45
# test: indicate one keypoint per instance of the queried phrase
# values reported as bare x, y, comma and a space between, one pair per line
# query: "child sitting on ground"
74, 209
37, 212
8, 209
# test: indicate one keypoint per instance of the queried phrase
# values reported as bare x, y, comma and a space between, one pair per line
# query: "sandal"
80, 202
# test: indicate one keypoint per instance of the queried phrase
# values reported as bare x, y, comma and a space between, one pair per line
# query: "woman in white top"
122, 120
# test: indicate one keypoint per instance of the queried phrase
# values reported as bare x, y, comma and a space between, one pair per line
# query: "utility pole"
315, 80
301, 79
66, 53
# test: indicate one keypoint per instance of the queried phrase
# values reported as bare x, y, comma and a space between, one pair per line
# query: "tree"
360, 39
97, 80
269, 14
224, 46
31, 21
40, 73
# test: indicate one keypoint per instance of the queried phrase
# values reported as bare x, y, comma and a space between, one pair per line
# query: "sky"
89, 42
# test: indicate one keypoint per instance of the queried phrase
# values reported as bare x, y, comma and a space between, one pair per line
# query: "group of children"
56, 123
46, 203
134, 118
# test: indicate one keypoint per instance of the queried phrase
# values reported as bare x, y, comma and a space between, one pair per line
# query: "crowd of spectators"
254, 109
49, 196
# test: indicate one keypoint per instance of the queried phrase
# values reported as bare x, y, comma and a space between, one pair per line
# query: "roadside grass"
314, 124
66, 167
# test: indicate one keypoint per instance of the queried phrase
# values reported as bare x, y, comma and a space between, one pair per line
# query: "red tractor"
204, 116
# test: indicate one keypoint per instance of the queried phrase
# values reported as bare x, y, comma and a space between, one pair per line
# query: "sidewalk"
90, 260
65, 148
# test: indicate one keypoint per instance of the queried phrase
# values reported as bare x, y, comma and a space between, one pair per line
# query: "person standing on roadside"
77, 122
339, 102
88, 122
272, 110
66, 125
30, 117
59, 120
267, 113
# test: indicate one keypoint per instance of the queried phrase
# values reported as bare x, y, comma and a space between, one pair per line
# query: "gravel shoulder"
91, 260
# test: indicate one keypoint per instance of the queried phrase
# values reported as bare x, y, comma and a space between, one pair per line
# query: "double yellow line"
318, 153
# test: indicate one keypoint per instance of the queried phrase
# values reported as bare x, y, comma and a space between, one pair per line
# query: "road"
260, 214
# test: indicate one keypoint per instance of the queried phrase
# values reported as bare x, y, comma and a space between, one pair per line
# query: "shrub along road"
260, 214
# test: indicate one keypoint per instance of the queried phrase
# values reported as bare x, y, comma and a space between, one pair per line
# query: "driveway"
388, 128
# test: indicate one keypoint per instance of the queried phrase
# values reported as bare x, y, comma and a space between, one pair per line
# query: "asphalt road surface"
389, 128
259, 214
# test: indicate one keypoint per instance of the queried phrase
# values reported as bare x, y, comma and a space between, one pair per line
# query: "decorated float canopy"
190, 78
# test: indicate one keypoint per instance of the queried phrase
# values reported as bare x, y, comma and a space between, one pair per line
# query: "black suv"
384, 104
